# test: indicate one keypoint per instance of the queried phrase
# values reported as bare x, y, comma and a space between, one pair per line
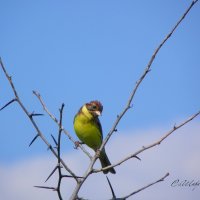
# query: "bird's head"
95, 108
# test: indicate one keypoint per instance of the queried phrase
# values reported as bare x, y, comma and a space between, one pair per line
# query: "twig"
58, 149
135, 192
32, 120
59, 166
145, 187
129, 102
144, 148
57, 122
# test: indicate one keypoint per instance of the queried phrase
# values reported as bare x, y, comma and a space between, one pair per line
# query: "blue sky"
76, 51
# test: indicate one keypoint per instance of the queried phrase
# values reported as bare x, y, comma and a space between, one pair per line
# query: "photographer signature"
186, 183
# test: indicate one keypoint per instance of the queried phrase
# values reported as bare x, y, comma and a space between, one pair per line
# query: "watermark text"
193, 184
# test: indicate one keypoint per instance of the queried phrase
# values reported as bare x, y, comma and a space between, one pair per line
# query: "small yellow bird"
88, 129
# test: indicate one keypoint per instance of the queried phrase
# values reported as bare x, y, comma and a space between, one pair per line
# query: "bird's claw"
77, 144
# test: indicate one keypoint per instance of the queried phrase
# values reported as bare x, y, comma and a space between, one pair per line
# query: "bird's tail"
105, 162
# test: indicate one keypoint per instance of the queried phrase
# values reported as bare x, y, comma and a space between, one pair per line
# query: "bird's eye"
94, 107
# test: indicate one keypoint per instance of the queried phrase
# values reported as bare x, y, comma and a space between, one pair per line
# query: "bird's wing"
97, 121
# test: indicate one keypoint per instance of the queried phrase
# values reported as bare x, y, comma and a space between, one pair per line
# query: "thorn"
49, 147
35, 114
175, 127
36, 93
38, 114
51, 173
137, 158
54, 140
111, 188
33, 140
69, 176
13, 100
44, 187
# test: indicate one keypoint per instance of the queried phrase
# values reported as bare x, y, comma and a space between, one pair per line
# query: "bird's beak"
98, 113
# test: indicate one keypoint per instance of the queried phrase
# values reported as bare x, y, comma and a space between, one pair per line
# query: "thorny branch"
58, 149
57, 122
30, 116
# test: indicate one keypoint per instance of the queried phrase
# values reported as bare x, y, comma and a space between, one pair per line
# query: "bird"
89, 130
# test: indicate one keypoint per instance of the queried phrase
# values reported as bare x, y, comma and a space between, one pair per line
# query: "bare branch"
58, 149
146, 71
32, 120
44, 106
145, 187
57, 122
136, 191
144, 148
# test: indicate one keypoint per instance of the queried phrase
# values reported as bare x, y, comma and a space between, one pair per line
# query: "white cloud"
178, 155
